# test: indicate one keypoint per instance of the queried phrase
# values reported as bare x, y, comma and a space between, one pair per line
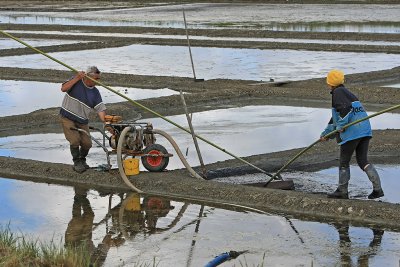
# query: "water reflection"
138, 229
261, 129
248, 39
136, 216
365, 27
325, 181
348, 18
133, 215
365, 253
43, 19
18, 97
397, 85
214, 63
80, 228
8, 43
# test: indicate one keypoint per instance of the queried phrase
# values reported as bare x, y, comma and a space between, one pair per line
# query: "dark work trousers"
359, 145
76, 138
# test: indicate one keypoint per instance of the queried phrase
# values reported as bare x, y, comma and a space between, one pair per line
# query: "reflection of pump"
135, 216
155, 207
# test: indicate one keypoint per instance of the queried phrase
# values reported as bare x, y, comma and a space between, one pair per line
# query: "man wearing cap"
346, 108
81, 98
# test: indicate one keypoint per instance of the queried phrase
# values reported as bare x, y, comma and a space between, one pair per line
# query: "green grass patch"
16, 251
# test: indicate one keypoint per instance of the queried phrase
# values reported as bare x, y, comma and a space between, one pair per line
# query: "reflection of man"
374, 245
345, 243
79, 230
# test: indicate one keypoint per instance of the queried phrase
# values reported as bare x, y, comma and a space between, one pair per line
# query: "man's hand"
322, 138
80, 75
68, 85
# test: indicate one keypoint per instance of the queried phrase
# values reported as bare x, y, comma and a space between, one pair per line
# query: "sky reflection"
9, 43
345, 18
19, 97
198, 234
195, 37
213, 63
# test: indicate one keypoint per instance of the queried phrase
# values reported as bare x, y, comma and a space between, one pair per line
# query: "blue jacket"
346, 108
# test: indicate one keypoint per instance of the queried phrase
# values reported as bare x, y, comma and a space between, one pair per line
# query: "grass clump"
16, 251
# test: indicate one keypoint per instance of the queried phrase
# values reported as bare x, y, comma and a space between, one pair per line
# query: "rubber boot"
375, 180
83, 154
342, 190
76, 157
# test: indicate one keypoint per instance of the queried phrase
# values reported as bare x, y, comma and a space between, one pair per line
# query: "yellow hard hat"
335, 78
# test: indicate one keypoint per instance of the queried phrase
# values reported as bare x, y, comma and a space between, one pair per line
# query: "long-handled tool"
327, 136
190, 50
136, 103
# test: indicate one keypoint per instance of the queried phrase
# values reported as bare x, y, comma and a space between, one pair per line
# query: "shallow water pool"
212, 63
142, 229
19, 97
294, 17
162, 36
9, 43
244, 131
325, 181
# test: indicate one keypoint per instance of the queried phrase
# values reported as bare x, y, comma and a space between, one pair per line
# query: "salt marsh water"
351, 18
9, 43
397, 85
213, 63
183, 233
161, 36
325, 181
19, 97
261, 129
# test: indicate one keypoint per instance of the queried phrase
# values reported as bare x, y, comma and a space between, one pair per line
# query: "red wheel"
152, 163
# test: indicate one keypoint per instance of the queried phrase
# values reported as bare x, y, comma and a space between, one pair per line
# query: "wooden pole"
190, 50
193, 136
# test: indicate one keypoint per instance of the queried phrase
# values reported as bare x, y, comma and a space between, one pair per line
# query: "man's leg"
73, 138
86, 144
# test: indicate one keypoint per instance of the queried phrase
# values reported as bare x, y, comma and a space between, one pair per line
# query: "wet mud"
218, 94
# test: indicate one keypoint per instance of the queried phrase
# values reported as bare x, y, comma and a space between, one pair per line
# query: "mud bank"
385, 149
179, 184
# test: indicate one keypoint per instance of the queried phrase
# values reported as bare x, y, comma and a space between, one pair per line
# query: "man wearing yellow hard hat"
346, 108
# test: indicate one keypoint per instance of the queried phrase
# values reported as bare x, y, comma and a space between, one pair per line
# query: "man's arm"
102, 115
68, 85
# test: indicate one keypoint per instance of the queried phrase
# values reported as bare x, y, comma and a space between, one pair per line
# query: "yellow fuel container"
131, 166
